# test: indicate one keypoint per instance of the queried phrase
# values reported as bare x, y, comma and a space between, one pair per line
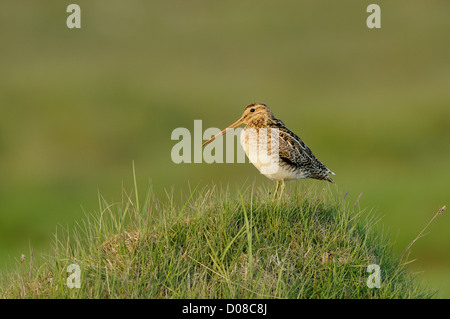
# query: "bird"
275, 150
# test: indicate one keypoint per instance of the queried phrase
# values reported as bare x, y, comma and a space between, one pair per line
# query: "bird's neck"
262, 122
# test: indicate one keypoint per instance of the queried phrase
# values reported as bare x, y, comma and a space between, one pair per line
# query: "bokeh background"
77, 107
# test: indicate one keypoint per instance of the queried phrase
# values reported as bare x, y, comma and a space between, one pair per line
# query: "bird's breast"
261, 145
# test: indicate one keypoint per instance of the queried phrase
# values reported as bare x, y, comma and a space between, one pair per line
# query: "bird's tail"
327, 178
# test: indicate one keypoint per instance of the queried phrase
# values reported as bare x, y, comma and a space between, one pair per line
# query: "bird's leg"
276, 189
282, 188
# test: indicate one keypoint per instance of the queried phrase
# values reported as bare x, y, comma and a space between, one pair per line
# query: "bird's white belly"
264, 154
282, 173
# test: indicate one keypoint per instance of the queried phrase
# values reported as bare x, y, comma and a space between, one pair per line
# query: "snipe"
275, 150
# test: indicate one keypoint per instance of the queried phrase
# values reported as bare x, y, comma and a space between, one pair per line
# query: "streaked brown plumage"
294, 160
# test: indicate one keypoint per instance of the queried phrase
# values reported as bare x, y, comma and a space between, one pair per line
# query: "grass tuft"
309, 244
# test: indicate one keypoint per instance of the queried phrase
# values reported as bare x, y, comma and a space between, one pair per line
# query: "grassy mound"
218, 245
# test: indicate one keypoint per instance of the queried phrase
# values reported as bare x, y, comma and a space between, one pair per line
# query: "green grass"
77, 106
218, 244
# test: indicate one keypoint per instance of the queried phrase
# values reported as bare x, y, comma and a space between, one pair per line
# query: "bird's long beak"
235, 124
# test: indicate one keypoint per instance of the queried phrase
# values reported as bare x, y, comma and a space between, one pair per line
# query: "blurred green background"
77, 106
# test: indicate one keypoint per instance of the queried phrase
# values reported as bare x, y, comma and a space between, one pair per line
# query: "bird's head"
253, 113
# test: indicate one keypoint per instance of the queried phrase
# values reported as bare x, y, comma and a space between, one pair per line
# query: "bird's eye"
252, 110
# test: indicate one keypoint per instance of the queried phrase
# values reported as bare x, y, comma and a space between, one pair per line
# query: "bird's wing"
295, 152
